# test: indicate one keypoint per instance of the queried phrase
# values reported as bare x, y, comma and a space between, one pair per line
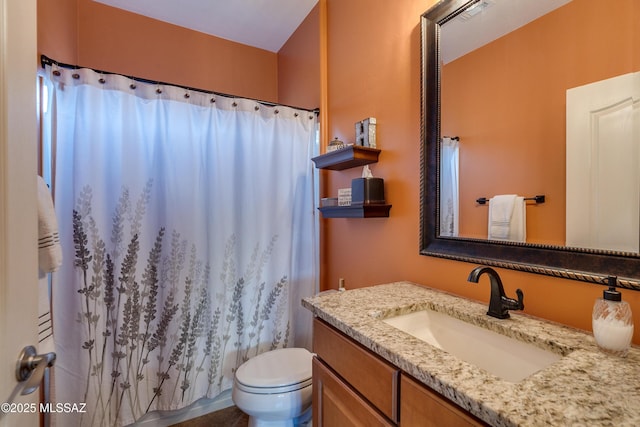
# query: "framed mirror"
515, 136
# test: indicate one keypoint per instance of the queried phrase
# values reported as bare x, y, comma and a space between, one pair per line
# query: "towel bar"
538, 199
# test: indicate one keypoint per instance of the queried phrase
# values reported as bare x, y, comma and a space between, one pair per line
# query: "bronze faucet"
499, 304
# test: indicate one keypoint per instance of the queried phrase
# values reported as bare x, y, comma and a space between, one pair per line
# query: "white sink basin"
505, 357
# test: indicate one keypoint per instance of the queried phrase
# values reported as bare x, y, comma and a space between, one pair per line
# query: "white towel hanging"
507, 218
49, 250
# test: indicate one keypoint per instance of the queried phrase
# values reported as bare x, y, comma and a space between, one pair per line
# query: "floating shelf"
345, 158
364, 211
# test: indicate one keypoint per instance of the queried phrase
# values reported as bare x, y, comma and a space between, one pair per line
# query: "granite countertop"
586, 387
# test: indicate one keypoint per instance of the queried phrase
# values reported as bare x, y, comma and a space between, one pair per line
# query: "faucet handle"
520, 299
511, 304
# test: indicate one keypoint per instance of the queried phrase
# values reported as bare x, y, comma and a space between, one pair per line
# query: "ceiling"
268, 24
265, 24
489, 20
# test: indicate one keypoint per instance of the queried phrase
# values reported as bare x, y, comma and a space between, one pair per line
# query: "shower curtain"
449, 197
187, 222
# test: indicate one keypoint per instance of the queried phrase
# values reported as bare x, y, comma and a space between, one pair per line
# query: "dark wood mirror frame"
571, 263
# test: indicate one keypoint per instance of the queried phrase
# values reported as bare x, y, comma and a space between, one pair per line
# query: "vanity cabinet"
421, 406
352, 386
335, 403
358, 370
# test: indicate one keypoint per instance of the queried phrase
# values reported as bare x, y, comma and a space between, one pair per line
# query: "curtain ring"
213, 100
75, 75
276, 111
133, 85
235, 104
158, 90
295, 114
187, 96
256, 108
56, 72
102, 79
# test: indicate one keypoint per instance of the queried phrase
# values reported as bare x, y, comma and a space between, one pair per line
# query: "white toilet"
274, 388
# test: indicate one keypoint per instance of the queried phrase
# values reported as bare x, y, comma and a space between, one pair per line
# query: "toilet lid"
277, 368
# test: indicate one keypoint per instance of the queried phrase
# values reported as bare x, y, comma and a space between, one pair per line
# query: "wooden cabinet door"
336, 404
375, 379
422, 407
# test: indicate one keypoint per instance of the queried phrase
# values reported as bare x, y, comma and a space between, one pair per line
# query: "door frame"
18, 200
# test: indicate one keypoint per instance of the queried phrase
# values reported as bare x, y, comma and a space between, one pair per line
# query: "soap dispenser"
612, 321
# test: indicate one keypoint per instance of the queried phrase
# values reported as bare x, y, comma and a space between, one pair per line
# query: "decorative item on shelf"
334, 145
366, 132
367, 190
328, 201
344, 197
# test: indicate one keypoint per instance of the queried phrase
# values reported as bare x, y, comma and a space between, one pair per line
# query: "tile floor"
228, 417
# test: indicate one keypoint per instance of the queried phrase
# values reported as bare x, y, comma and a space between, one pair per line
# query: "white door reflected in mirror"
603, 164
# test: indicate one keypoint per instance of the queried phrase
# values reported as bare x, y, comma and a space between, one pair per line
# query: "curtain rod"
45, 60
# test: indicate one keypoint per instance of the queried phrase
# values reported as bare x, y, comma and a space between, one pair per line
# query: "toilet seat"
277, 371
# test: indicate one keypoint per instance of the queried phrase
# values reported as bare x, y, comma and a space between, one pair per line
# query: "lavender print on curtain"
188, 230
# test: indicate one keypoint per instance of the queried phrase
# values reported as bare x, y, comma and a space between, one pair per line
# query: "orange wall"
633, 17
58, 30
298, 65
91, 34
374, 70
498, 139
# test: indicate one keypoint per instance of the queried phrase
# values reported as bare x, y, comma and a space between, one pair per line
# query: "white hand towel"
518, 225
45, 327
500, 211
49, 250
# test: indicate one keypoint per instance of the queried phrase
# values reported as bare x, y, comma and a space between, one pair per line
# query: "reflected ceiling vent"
475, 9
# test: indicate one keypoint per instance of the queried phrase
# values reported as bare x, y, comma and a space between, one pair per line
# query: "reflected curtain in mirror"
449, 197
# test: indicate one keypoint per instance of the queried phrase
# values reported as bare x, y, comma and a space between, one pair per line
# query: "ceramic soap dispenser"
612, 321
